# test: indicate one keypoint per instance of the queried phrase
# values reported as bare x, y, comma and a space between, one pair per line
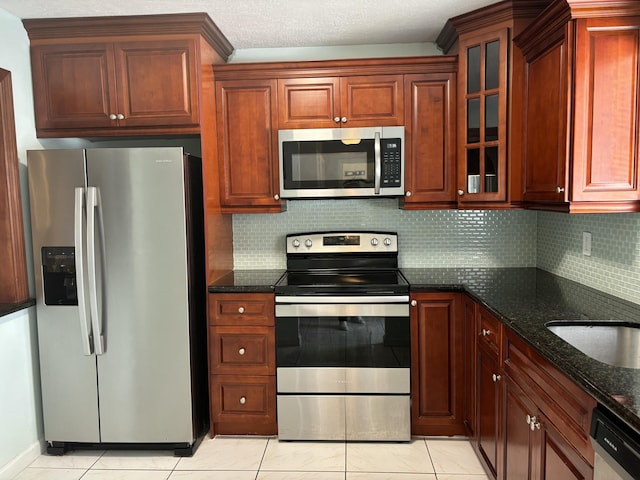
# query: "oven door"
341, 162
343, 368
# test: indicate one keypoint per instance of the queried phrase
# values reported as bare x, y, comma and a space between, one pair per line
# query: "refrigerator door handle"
78, 239
94, 214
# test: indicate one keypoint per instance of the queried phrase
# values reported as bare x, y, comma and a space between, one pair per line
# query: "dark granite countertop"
8, 308
252, 281
524, 299
527, 298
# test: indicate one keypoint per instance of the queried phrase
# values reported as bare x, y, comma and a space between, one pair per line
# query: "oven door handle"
322, 299
343, 310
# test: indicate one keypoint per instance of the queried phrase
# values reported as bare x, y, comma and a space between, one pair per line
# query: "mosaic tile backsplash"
438, 238
614, 264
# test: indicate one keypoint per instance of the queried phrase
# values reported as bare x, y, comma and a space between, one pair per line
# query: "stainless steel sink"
611, 342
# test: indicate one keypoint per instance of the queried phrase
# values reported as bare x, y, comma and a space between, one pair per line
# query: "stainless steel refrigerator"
120, 289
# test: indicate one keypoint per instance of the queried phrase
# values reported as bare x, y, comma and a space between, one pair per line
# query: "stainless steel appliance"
341, 162
616, 446
120, 285
343, 339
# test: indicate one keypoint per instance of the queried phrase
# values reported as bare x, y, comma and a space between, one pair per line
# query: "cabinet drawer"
242, 309
242, 350
243, 404
489, 331
563, 402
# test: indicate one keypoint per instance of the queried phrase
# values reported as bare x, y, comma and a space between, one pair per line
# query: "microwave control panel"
391, 162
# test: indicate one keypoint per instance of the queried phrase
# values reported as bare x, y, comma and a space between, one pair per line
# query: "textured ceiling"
281, 23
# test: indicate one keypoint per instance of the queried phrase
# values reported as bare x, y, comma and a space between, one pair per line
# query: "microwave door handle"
377, 162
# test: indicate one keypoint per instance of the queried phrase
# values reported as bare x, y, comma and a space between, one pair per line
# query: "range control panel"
342, 242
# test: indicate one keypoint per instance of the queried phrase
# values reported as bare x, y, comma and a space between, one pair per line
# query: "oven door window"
328, 164
343, 341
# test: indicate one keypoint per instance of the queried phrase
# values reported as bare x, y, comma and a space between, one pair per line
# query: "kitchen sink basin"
612, 342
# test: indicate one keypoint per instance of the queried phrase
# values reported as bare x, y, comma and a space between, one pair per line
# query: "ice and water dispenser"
59, 276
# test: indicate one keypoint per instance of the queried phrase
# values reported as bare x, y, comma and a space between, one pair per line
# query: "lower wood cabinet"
436, 364
242, 368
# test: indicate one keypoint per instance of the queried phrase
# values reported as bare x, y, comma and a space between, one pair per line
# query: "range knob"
295, 243
387, 242
308, 242
374, 241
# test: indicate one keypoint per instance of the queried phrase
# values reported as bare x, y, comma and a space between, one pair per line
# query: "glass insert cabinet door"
483, 127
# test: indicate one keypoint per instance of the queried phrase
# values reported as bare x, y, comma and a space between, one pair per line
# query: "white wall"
20, 411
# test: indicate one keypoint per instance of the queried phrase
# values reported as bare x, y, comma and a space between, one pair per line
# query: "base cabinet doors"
489, 408
436, 364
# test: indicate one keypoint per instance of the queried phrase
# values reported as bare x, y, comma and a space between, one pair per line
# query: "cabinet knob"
559, 189
496, 377
276, 197
460, 193
243, 400
414, 303
240, 309
336, 119
242, 351
343, 119
120, 116
533, 422
112, 116
407, 194
485, 332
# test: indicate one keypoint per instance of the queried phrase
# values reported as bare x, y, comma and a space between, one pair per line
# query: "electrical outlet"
586, 244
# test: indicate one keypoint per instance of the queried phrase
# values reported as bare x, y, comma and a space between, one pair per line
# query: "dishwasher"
616, 446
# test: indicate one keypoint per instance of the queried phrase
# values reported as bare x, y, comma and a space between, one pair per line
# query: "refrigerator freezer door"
69, 393
144, 376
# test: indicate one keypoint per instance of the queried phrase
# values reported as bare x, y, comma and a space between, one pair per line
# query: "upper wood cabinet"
247, 146
490, 87
118, 76
357, 101
582, 113
430, 153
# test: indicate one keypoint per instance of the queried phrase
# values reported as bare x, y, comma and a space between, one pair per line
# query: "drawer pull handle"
496, 378
485, 332
243, 400
240, 309
242, 351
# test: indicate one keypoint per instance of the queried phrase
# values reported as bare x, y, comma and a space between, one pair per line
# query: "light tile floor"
262, 458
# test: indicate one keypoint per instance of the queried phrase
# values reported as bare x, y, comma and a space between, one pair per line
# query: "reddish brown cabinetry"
430, 151
436, 364
247, 146
489, 386
582, 65
101, 76
242, 364
355, 101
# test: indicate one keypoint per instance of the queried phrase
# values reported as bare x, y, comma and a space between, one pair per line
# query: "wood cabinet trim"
52, 30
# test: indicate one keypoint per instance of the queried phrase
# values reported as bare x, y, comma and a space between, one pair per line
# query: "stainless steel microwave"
341, 162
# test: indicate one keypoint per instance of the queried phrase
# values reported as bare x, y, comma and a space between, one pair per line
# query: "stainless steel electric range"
343, 339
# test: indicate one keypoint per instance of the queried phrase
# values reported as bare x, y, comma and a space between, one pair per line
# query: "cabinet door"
545, 150
482, 127
73, 85
518, 413
606, 147
247, 146
436, 365
430, 139
157, 83
368, 101
489, 408
309, 103
554, 457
